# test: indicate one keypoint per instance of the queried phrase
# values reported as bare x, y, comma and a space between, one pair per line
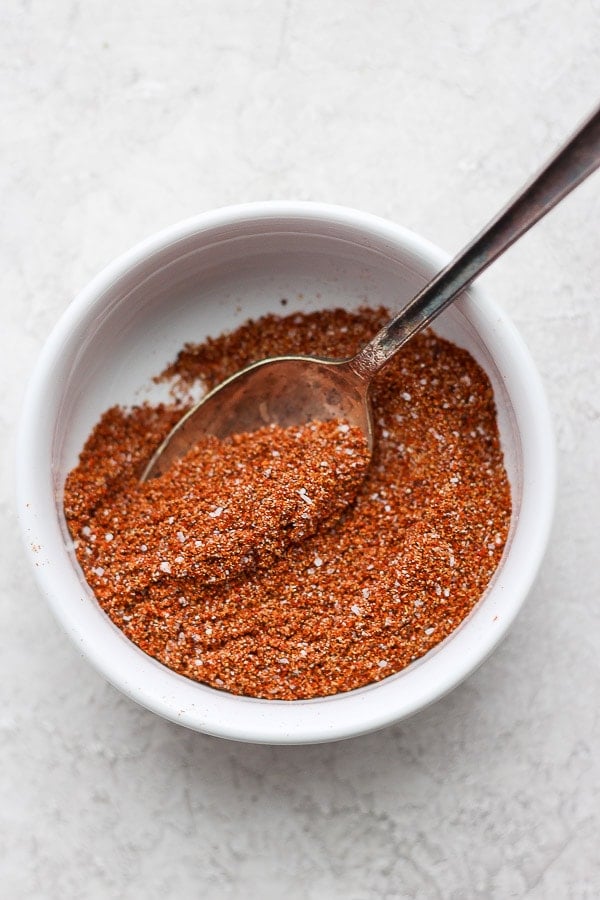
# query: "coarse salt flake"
356, 609
382, 663
108, 536
165, 566
215, 513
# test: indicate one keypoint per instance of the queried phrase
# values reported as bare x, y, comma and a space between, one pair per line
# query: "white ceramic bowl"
206, 275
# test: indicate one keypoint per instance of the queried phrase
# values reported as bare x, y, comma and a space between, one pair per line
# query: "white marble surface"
119, 118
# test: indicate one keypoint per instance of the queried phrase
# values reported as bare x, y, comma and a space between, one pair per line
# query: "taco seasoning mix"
290, 564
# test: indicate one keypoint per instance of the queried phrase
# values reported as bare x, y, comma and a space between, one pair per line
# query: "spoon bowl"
285, 391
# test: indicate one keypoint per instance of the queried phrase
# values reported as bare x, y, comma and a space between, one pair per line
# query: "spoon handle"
575, 160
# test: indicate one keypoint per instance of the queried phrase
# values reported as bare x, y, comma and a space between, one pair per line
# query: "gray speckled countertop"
120, 118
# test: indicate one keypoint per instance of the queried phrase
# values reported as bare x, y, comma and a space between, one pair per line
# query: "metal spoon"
293, 390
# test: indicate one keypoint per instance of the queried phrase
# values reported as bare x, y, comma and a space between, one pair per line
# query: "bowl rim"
272, 721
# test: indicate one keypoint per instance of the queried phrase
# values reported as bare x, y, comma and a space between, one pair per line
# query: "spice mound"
227, 506
285, 564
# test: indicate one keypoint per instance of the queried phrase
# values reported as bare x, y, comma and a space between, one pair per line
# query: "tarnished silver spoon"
292, 390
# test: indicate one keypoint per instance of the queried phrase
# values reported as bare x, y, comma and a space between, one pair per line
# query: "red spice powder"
345, 590
225, 507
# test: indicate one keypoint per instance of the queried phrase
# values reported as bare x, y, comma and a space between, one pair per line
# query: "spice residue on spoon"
226, 507
341, 591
